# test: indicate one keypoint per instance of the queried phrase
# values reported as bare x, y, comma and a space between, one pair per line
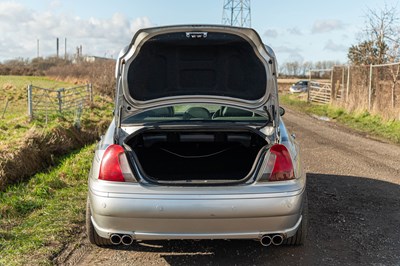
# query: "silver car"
299, 86
197, 148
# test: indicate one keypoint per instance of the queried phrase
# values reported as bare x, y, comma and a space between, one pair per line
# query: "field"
33, 146
284, 84
13, 93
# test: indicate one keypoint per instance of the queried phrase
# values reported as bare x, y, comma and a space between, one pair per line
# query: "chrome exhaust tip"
127, 240
115, 239
265, 240
277, 240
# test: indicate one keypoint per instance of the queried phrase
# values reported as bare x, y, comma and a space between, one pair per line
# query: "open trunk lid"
209, 64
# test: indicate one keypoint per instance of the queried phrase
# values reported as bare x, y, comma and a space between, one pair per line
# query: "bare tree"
290, 68
327, 64
301, 69
381, 38
305, 67
282, 69
293, 68
382, 27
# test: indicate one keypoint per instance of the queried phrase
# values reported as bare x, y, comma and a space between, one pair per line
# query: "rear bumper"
152, 217
140, 235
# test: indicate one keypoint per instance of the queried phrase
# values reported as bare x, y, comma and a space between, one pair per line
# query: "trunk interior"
167, 156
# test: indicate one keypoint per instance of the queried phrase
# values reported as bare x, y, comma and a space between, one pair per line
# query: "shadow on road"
353, 220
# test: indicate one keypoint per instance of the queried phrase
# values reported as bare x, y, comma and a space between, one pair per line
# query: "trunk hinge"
117, 126
118, 112
275, 124
272, 118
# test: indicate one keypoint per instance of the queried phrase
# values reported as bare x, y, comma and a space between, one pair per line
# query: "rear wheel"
94, 238
300, 237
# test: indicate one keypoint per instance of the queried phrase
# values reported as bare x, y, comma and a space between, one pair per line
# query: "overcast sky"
309, 30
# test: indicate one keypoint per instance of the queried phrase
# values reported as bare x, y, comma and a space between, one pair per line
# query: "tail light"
114, 164
279, 166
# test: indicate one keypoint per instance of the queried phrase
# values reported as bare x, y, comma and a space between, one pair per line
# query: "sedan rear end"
191, 153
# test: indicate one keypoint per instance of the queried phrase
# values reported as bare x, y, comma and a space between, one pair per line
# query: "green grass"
14, 119
14, 89
15, 123
38, 217
364, 121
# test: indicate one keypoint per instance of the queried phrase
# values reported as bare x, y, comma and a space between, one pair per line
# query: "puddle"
322, 118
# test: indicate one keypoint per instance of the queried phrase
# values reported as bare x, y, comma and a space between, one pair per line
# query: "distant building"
91, 59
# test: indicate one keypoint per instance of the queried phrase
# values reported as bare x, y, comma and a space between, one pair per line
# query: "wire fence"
372, 88
62, 101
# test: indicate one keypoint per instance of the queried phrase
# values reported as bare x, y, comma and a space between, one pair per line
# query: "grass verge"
38, 217
362, 121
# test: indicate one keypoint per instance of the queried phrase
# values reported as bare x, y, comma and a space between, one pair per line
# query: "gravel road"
354, 211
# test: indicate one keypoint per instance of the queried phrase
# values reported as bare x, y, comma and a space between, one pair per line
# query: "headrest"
197, 112
234, 112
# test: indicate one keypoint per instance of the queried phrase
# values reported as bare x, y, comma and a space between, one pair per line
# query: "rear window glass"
305, 83
195, 112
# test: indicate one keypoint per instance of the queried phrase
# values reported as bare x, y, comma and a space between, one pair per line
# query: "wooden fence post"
309, 86
348, 83
370, 88
90, 92
342, 86
30, 106
59, 97
333, 89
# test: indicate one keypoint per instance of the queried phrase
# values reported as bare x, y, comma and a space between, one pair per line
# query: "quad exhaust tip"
267, 240
127, 240
277, 240
117, 239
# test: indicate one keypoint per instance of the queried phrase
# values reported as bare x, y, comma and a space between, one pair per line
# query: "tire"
94, 238
300, 237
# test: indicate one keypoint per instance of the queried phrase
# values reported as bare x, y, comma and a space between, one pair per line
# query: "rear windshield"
195, 112
173, 64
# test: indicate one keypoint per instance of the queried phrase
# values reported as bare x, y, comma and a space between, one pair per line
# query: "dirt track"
354, 209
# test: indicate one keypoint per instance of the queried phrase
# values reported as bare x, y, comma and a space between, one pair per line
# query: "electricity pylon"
237, 13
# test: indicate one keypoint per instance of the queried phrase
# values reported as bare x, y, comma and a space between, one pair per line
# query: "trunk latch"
196, 35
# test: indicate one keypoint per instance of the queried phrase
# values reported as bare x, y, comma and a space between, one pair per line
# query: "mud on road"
354, 212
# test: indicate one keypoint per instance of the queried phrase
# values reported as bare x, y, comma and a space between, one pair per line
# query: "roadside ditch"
40, 149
